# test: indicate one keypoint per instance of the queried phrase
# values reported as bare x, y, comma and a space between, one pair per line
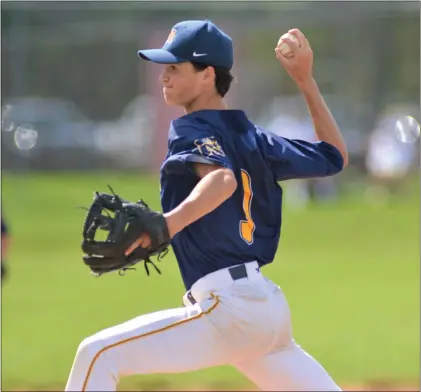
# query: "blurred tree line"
86, 51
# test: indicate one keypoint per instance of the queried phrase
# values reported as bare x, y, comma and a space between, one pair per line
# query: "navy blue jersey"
3, 227
246, 227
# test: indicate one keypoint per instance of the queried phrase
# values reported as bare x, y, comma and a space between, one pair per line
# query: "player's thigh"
169, 341
288, 369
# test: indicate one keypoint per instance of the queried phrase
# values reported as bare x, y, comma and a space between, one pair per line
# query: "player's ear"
209, 74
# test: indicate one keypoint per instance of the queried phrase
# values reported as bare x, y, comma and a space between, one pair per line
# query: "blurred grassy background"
350, 271
349, 267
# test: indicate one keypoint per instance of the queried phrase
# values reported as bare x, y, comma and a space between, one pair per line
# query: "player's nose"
164, 78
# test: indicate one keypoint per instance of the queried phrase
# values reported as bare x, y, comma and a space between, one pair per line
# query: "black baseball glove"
130, 220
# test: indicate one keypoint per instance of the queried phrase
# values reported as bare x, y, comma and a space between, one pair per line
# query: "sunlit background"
80, 111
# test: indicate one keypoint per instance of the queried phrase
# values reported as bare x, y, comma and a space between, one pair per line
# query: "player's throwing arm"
295, 54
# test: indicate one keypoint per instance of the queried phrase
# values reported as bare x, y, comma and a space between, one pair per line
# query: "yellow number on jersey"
247, 226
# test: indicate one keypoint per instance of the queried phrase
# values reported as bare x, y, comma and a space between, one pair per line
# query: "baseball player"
222, 206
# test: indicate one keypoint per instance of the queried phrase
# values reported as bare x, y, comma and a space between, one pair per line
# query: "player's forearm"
324, 123
211, 191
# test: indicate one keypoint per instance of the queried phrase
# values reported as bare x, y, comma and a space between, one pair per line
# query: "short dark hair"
223, 77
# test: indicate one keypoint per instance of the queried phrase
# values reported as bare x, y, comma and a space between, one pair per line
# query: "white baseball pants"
244, 323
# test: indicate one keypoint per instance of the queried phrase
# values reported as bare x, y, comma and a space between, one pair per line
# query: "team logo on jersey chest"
209, 146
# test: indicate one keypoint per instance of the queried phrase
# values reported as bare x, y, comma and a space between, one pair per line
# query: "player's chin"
170, 102
169, 98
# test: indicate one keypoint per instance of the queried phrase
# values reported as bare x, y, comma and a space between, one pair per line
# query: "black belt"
237, 272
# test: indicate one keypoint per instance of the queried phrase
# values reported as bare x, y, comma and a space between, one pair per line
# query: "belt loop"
191, 298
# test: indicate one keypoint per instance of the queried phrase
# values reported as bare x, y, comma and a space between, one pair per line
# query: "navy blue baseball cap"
198, 41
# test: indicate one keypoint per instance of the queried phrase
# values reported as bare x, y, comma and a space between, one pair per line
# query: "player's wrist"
307, 84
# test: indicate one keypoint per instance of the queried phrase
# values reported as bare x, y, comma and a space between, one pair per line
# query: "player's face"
182, 84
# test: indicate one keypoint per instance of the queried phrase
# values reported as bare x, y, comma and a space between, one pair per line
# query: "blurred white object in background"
129, 138
59, 122
25, 137
391, 148
407, 129
388, 157
7, 124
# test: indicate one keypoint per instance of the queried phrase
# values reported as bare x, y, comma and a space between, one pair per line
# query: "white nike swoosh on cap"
199, 54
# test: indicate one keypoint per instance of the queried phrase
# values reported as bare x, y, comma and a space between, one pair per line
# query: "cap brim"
160, 56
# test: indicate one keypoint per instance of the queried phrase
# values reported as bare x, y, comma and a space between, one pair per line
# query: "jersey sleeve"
196, 148
295, 159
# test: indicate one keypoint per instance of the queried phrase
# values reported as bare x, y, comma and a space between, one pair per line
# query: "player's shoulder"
191, 132
188, 127
215, 122
231, 130
268, 137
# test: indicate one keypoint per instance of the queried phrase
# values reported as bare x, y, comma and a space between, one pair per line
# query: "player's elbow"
336, 157
344, 155
343, 151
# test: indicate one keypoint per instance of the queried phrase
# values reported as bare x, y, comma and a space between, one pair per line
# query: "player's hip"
222, 280
252, 310
242, 290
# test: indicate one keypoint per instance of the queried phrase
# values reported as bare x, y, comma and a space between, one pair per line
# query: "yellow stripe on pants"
177, 323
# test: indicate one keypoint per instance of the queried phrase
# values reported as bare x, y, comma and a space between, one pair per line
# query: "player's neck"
206, 103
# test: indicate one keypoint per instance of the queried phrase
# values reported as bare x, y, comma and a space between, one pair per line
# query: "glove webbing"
161, 255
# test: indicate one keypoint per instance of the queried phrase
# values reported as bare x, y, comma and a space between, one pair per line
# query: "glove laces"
161, 255
147, 262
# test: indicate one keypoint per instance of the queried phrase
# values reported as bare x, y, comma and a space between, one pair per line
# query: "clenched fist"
300, 65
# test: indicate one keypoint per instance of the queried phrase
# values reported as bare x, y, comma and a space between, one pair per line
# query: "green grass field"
350, 272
